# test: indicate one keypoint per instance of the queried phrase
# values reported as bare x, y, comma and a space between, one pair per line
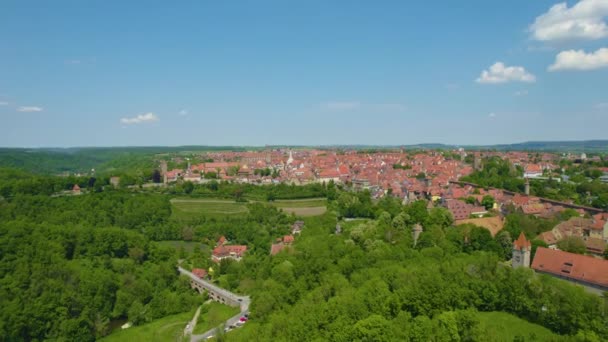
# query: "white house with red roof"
234, 252
533, 171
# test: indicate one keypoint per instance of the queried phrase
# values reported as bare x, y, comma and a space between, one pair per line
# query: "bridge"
217, 294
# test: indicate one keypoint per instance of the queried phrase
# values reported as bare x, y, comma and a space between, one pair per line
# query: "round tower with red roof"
521, 252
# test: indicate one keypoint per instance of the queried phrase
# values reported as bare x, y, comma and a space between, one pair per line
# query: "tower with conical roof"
521, 252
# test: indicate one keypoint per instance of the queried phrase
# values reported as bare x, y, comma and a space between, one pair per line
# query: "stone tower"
163, 170
527, 187
416, 230
521, 252
477, 163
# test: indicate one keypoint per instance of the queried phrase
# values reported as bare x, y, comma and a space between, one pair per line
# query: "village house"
533, 171
225, 251
589, 230
281, 244
590, 272
461, 210
200, 272
234, 252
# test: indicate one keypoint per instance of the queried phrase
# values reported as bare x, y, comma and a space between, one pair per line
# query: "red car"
243, 319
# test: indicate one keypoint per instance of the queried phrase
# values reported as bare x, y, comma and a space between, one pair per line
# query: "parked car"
243, 319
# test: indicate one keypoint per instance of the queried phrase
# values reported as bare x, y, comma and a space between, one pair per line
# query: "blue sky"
116, 73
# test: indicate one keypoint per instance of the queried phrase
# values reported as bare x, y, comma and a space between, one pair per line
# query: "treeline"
142, 213
372, 283
16, 182
70, 266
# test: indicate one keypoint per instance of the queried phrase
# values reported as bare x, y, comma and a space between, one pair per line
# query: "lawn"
300, 203
303, 207
212, 315
502, 326
184, 208
166, 329
188, 208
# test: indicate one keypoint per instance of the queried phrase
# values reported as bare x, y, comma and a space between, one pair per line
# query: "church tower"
521, 252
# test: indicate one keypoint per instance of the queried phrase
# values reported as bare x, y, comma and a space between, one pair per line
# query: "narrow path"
190, 326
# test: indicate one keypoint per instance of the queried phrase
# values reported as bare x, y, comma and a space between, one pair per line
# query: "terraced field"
188, 208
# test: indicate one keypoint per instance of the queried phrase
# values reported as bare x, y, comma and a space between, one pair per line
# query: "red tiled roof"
570, 265
548, 237
199, 272
521, 242
221, 251
288, 239
275, 248
534, 168
221, 240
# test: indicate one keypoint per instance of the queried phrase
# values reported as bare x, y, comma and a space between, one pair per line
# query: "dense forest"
72, 265
371, 283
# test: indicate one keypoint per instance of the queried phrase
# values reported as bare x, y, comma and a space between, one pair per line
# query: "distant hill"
560, 146
83, 159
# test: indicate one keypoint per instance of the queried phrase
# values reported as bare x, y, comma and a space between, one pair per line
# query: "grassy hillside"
212, 315
167, 329
501, 326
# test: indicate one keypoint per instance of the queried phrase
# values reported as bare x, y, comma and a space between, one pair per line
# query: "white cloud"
499, 73
73, 61
492, 115
29, 109
141, 118
521, 93
580, 60
583, 21
183, 112
341, 105
3, 103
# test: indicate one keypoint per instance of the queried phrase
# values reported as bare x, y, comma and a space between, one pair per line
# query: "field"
185, 208
214, 315
166, 329
502, 326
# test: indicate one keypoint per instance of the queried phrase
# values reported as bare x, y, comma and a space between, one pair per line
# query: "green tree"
373, 328
572, 244
188, 187
487, 202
